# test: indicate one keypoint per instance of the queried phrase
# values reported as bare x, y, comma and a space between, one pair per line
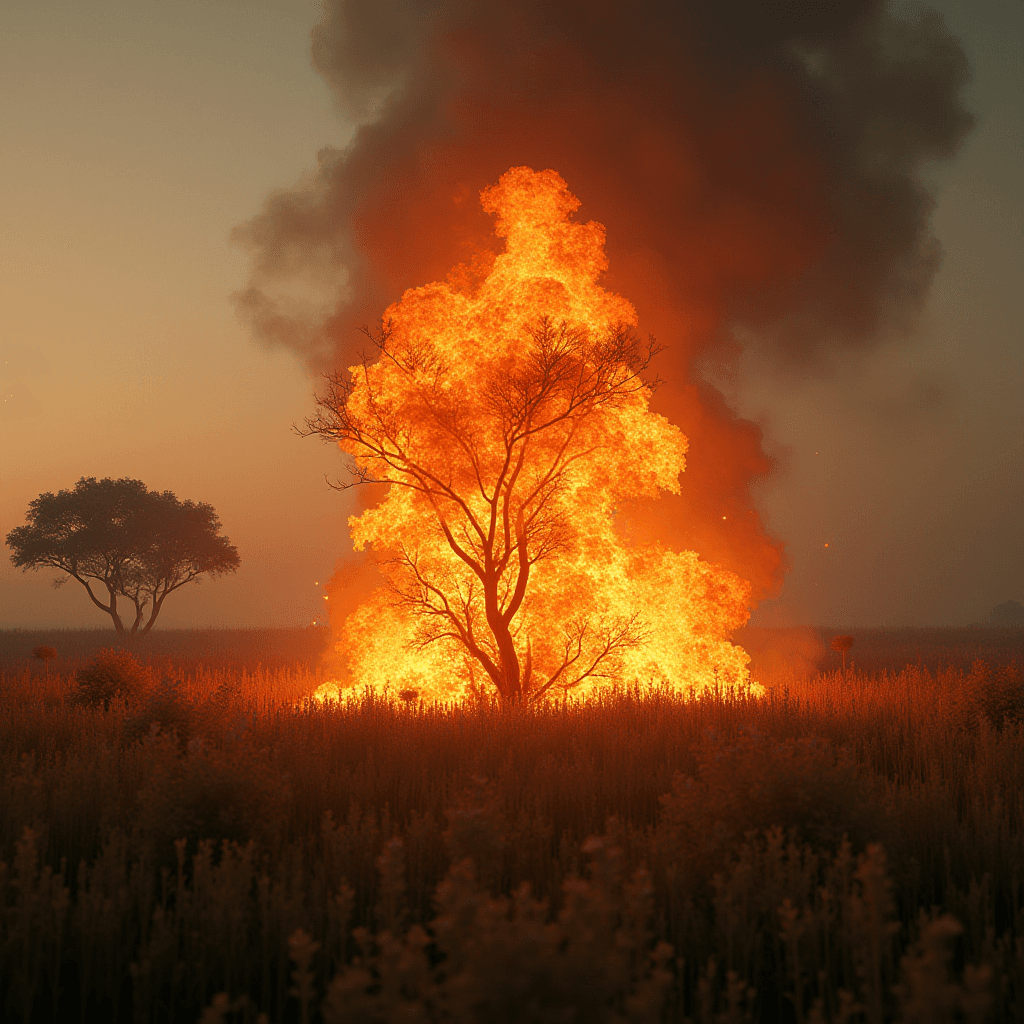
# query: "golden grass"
634, 857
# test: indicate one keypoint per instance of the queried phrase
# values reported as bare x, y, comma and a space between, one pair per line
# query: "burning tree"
510, 423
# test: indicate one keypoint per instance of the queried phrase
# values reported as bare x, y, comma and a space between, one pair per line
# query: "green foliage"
112, 675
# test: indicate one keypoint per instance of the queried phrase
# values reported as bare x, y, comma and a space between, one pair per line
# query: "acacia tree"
492, 469
119, 537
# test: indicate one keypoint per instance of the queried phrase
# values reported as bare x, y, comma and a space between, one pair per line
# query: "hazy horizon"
140, 135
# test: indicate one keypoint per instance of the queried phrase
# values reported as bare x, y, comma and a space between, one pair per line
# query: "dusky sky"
136, 136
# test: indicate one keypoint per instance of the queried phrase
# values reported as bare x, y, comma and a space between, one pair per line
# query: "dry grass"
635, 858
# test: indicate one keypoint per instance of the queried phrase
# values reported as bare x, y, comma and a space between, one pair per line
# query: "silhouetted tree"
45, 654
842, 644
135, 543
1009, 613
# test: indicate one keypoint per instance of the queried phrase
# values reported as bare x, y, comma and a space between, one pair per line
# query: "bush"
112, 674
508, 959
168, 709
221, 794
996, 692
811, 790
315, 795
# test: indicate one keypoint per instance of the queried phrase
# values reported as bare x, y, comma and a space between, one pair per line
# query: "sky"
138, 135
910, 464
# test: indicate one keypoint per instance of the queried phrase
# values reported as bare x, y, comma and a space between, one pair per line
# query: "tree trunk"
139, 609
112, 612
157, 605
110, 609
509, 682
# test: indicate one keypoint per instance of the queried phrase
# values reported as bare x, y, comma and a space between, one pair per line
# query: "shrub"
112, 674
997, 692
930, 992
805, 786
232, 793
508, 959
168, 709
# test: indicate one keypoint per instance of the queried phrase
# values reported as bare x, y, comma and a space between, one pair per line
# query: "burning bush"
112, 675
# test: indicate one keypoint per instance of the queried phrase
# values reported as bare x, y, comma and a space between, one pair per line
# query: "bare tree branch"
493, 478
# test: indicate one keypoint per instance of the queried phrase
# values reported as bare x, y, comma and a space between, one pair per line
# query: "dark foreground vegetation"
205, 843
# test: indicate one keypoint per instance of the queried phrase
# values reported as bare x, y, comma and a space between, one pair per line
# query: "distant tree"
45, 655
117, 535
842, 644
1009, 613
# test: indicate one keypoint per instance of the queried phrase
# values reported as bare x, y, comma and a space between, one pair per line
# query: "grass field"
848, 848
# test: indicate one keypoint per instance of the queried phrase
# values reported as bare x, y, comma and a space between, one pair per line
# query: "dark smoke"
758, 167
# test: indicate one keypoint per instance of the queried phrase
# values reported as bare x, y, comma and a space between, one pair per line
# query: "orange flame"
596, 607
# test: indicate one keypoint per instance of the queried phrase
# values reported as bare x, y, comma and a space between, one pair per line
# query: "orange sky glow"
139, 135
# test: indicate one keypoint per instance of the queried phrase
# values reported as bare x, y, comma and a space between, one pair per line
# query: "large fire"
510, 421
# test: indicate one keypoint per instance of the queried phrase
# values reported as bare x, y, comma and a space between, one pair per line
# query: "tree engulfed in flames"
510, 422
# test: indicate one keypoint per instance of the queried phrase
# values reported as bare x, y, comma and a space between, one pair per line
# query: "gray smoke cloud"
760, 169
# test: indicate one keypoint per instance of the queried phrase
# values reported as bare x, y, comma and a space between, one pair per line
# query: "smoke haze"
760, 168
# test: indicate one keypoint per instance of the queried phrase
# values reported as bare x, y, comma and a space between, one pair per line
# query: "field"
212, 845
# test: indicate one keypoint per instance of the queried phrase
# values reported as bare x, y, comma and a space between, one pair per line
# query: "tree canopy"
119, 537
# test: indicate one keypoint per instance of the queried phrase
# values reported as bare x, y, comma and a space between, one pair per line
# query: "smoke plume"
758, 167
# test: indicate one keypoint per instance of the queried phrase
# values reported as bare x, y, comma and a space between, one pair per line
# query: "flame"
659, 616
327, 692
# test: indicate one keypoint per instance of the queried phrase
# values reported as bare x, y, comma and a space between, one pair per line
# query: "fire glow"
510, 421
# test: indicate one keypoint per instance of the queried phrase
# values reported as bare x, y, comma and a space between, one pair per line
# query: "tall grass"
849, 847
